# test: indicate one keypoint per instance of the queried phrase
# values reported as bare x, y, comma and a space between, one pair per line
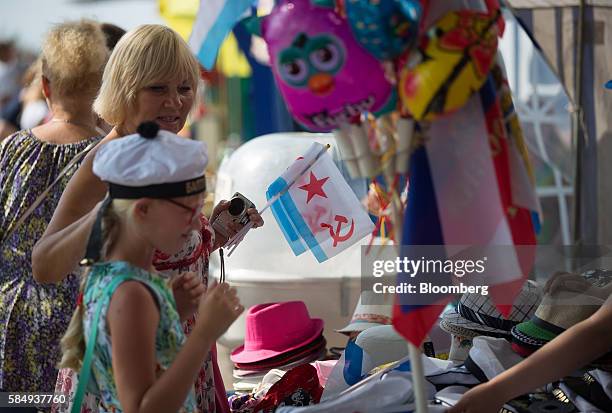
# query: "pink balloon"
324, 75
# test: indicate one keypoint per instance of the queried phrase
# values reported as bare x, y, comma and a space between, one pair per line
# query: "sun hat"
477, 312
525, 341
456, 329
316, 346
367, 314
557, 312
276, 328
250, 374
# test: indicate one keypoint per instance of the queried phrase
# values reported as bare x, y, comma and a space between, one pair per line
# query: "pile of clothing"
484, 343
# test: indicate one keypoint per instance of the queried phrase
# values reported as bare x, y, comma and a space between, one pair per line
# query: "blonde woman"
151, 75
33, 317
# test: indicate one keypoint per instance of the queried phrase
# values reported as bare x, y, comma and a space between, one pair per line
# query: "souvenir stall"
418, 101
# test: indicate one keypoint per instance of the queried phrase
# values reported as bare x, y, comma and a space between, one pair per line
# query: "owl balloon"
326, 78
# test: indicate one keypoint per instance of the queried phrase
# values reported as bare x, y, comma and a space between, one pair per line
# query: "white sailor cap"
149, 164
152, 163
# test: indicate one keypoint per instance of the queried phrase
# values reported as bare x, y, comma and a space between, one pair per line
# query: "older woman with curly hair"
33, 317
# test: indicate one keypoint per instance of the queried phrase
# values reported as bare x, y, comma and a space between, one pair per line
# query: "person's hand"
373, 203
480, 399
219, 308
187, 289
255, 218
233, 227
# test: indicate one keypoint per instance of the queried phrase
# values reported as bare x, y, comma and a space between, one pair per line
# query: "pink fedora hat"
276, 328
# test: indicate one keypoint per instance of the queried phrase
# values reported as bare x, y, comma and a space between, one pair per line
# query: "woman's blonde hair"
147, 54
73, 57
73, 341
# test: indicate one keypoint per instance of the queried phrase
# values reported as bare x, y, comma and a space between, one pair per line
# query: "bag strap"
85, 372
44, 194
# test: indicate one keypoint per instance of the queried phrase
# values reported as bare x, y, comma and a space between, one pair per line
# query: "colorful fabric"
478, 178
298, 387
242, 403
169, 336
213, 23
421, 227
209, 388
33, 316
519, 219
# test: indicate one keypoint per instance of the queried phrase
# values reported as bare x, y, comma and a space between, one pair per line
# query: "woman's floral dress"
33, 316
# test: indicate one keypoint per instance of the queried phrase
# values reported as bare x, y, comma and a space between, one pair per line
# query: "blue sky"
27, 21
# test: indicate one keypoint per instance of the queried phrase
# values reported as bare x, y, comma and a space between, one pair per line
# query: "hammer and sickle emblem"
336, 235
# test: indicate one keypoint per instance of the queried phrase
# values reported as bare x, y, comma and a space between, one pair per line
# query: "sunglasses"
192, 211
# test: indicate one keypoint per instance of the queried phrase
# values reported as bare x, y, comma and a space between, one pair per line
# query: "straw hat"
557, 312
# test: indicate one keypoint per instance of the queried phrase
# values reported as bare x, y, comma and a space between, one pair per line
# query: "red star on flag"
314, 187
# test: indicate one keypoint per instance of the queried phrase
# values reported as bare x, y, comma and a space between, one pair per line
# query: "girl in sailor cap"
126, 330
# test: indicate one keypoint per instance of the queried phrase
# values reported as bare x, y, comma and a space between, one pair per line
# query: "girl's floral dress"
169, 337
208, 388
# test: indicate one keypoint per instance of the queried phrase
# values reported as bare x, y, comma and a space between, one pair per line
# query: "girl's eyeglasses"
193, 211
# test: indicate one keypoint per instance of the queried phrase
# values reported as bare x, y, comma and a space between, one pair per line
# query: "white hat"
149, 164
490, 356
383, 344
368, 315
152, 164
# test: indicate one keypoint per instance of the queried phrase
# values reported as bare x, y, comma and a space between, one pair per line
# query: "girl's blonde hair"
73, 58
73, 341
147, 54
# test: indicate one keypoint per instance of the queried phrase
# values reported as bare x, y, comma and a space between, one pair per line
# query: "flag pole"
416, 362
418, 378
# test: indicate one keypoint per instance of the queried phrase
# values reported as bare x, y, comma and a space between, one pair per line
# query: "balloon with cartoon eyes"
312, 63
325, 77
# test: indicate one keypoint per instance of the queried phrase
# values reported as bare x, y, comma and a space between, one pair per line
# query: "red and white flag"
317, 209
